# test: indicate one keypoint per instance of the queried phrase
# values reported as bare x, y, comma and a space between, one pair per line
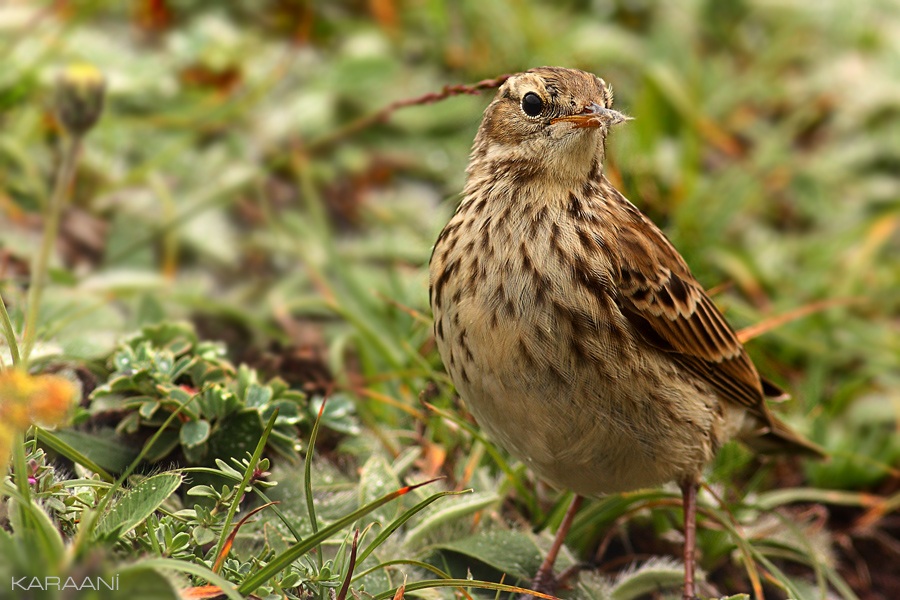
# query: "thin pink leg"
689, 495
545, 581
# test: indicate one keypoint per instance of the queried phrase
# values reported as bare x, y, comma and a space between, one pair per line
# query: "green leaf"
391, 527
775, 498
653, 575
376, 479
195, 455
450, 513
144, 584
124, 360
339, 414
175, 393
204, 491
45, 537
169, 564
164, 445
181, 365
102, 447
148, 409
236, 435
138, 503
281, 561
164, 361
518, 553
194, 433
288, 412
258, 395
203, 535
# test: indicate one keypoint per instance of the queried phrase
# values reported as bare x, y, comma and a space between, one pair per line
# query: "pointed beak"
593, 115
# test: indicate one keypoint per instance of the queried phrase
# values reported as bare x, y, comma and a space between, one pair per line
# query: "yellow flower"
79, 97
52, 404
28, 399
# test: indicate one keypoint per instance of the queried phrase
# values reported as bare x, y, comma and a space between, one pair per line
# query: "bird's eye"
532, 104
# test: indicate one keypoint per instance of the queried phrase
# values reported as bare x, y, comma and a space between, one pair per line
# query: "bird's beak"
593, 115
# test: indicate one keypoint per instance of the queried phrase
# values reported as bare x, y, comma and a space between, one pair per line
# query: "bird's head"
549, 121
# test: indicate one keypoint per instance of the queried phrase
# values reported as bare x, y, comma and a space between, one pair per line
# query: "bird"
572, 328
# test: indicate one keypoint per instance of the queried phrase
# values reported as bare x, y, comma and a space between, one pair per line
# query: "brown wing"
662, 300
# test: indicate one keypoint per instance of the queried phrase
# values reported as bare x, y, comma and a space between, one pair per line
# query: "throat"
537, 166
506, 188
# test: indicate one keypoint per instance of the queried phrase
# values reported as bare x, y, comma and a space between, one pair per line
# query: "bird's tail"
777, 438
773, 436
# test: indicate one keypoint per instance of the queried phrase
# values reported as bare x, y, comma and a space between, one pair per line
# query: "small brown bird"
571, 326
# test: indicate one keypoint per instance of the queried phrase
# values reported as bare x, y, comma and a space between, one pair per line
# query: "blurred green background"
235, 181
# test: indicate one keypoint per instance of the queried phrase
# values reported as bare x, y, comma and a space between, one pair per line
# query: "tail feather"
777, 438
774, 436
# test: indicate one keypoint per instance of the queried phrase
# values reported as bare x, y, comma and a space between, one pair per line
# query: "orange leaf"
230, 541
202, 591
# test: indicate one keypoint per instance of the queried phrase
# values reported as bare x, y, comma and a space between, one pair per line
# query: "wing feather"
661, 299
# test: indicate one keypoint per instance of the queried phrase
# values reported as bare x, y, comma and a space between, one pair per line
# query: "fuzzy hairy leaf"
138, 503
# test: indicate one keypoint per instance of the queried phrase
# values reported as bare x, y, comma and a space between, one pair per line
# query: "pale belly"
597, 418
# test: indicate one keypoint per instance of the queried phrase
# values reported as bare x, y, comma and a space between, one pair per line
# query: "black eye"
532, 104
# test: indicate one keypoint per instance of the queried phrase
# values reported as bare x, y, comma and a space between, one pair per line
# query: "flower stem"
51, 227
9, 333
20, 467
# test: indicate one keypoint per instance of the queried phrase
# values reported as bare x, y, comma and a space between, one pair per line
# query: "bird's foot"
544, 582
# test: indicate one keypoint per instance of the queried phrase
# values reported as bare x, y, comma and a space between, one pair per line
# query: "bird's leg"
689, 496
545, 581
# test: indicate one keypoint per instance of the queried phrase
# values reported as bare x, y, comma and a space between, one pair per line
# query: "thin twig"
384, 114
753, 331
